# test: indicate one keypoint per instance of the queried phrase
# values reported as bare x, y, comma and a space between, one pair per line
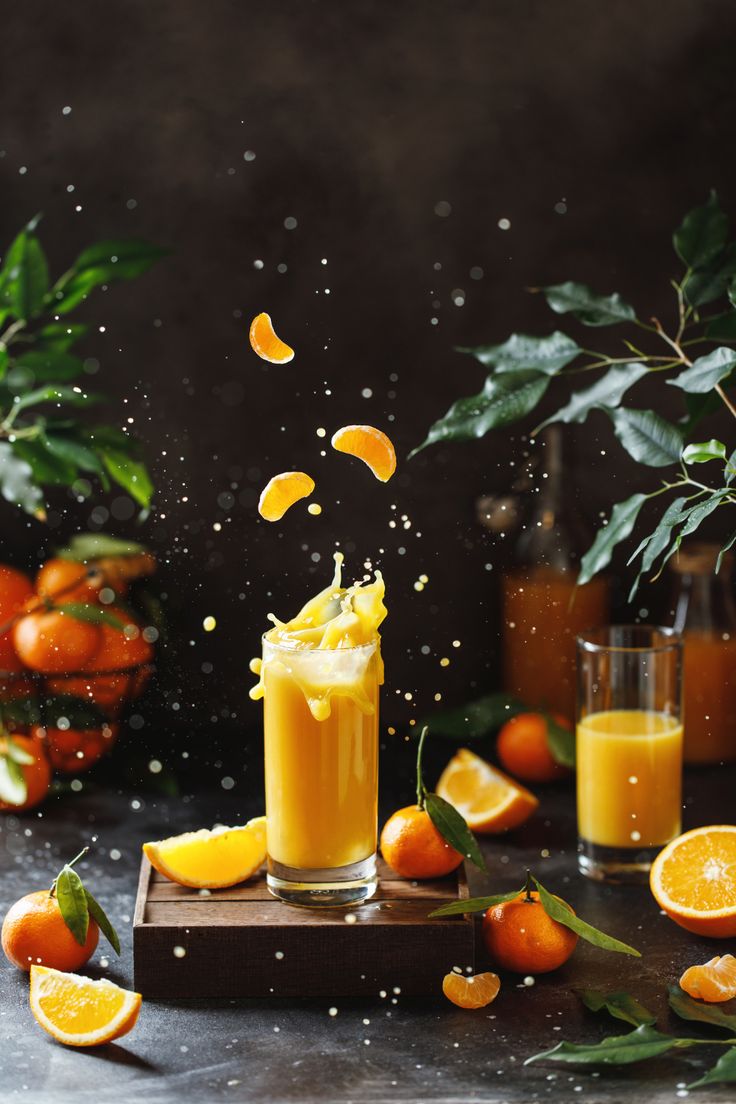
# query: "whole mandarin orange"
34, 932
120, 649
37, 774
523, 748
73, 750
54, 642
15, 590
413, 848
67, 580
520, 936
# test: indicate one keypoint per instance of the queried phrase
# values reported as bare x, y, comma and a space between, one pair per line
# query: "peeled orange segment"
471, 992
370, 445
209, 859
713, 981
264, 341
489, 800
81, 1012
282, 492
693, 880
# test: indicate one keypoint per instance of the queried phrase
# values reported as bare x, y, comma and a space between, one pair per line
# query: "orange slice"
264, 341
281, 492
694, 880
489, 800
210, 859
81, 1012
713, 981
370, 445
471, 992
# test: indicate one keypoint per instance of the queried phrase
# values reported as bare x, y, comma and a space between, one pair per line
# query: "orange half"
713, 981
370, 445
693, 880
78, 1011
281, 492
471, 992
263, 340
487, 798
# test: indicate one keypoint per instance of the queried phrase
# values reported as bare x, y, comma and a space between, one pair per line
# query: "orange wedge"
282, 492
264, 341
370, 445
81, 1012
713, 981
210, 859
693, 880
489, 800
471, 992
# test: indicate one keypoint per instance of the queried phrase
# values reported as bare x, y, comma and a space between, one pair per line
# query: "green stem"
528, 886
421, 788
76, 859
12, 330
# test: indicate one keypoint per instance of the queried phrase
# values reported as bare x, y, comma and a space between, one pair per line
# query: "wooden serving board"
242, 942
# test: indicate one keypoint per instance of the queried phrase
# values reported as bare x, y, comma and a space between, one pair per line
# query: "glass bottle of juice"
706, 618
543, 608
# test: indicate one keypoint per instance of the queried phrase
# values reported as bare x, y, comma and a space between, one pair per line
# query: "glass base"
616, 864
327, 888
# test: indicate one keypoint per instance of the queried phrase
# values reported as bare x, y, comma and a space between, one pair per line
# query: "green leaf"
588, 308
608, 391
92, 546
20, 711
60, 336
474, 904
561, 912
71, 451
74, 396
702, 233
658, 541
698, 407
92, 614
46, 469
647, 437
505, 398
617, 1050
103, 263
17, 484
722, 328
732, 292
686, 1008
623, 520
25, 275
561, 742
722, 1072
620, 1005
706, 371
726, 548
522, 352
711, 282
73, 903
453, 829
132, 475
98, 914
18, 754
476, 719
13, 787
703, 451
50, 365
697, 514
105, 436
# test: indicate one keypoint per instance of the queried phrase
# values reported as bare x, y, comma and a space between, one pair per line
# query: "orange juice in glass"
319, 677
629, 748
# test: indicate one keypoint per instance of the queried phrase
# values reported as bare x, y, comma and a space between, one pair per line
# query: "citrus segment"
713, 981
370, 445
264, 341
487, 798
209, 859
81, 1012
471, 992
281, 492
693, 880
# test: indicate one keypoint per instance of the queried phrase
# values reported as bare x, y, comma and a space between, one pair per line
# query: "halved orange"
79, 1011
210, 859
264, 341
487, 798
471, 992
281, 492
693, 880
370, 445
713, 981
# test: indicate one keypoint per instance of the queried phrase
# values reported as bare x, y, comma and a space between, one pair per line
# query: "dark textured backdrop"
590, 128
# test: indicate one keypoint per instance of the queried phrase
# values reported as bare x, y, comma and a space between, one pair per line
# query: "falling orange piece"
264, 341
370, 445
471, 992
713, 981
283, 491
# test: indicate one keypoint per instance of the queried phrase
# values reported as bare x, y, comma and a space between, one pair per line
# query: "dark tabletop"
389, 1049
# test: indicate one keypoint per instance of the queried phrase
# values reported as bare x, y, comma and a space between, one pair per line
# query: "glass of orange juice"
629, 748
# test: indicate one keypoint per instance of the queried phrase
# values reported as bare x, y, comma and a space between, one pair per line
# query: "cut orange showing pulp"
713, 981
81, 1012
693, 880
370, 445
281, 492
210, 859
264, 341
471, 992
487, 798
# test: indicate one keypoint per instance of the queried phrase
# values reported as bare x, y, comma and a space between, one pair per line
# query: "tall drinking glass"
629, 748
321, 775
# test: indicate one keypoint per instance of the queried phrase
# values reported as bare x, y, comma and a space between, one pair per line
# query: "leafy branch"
682, 354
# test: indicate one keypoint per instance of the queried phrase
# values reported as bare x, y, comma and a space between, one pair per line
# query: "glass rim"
372, 644
672, 641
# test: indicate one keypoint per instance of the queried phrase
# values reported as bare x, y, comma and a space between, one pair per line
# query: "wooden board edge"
141, 898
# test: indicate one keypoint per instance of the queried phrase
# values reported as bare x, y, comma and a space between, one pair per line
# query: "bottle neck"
705, 603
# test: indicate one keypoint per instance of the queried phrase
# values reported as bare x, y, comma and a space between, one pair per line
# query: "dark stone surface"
282, 1052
